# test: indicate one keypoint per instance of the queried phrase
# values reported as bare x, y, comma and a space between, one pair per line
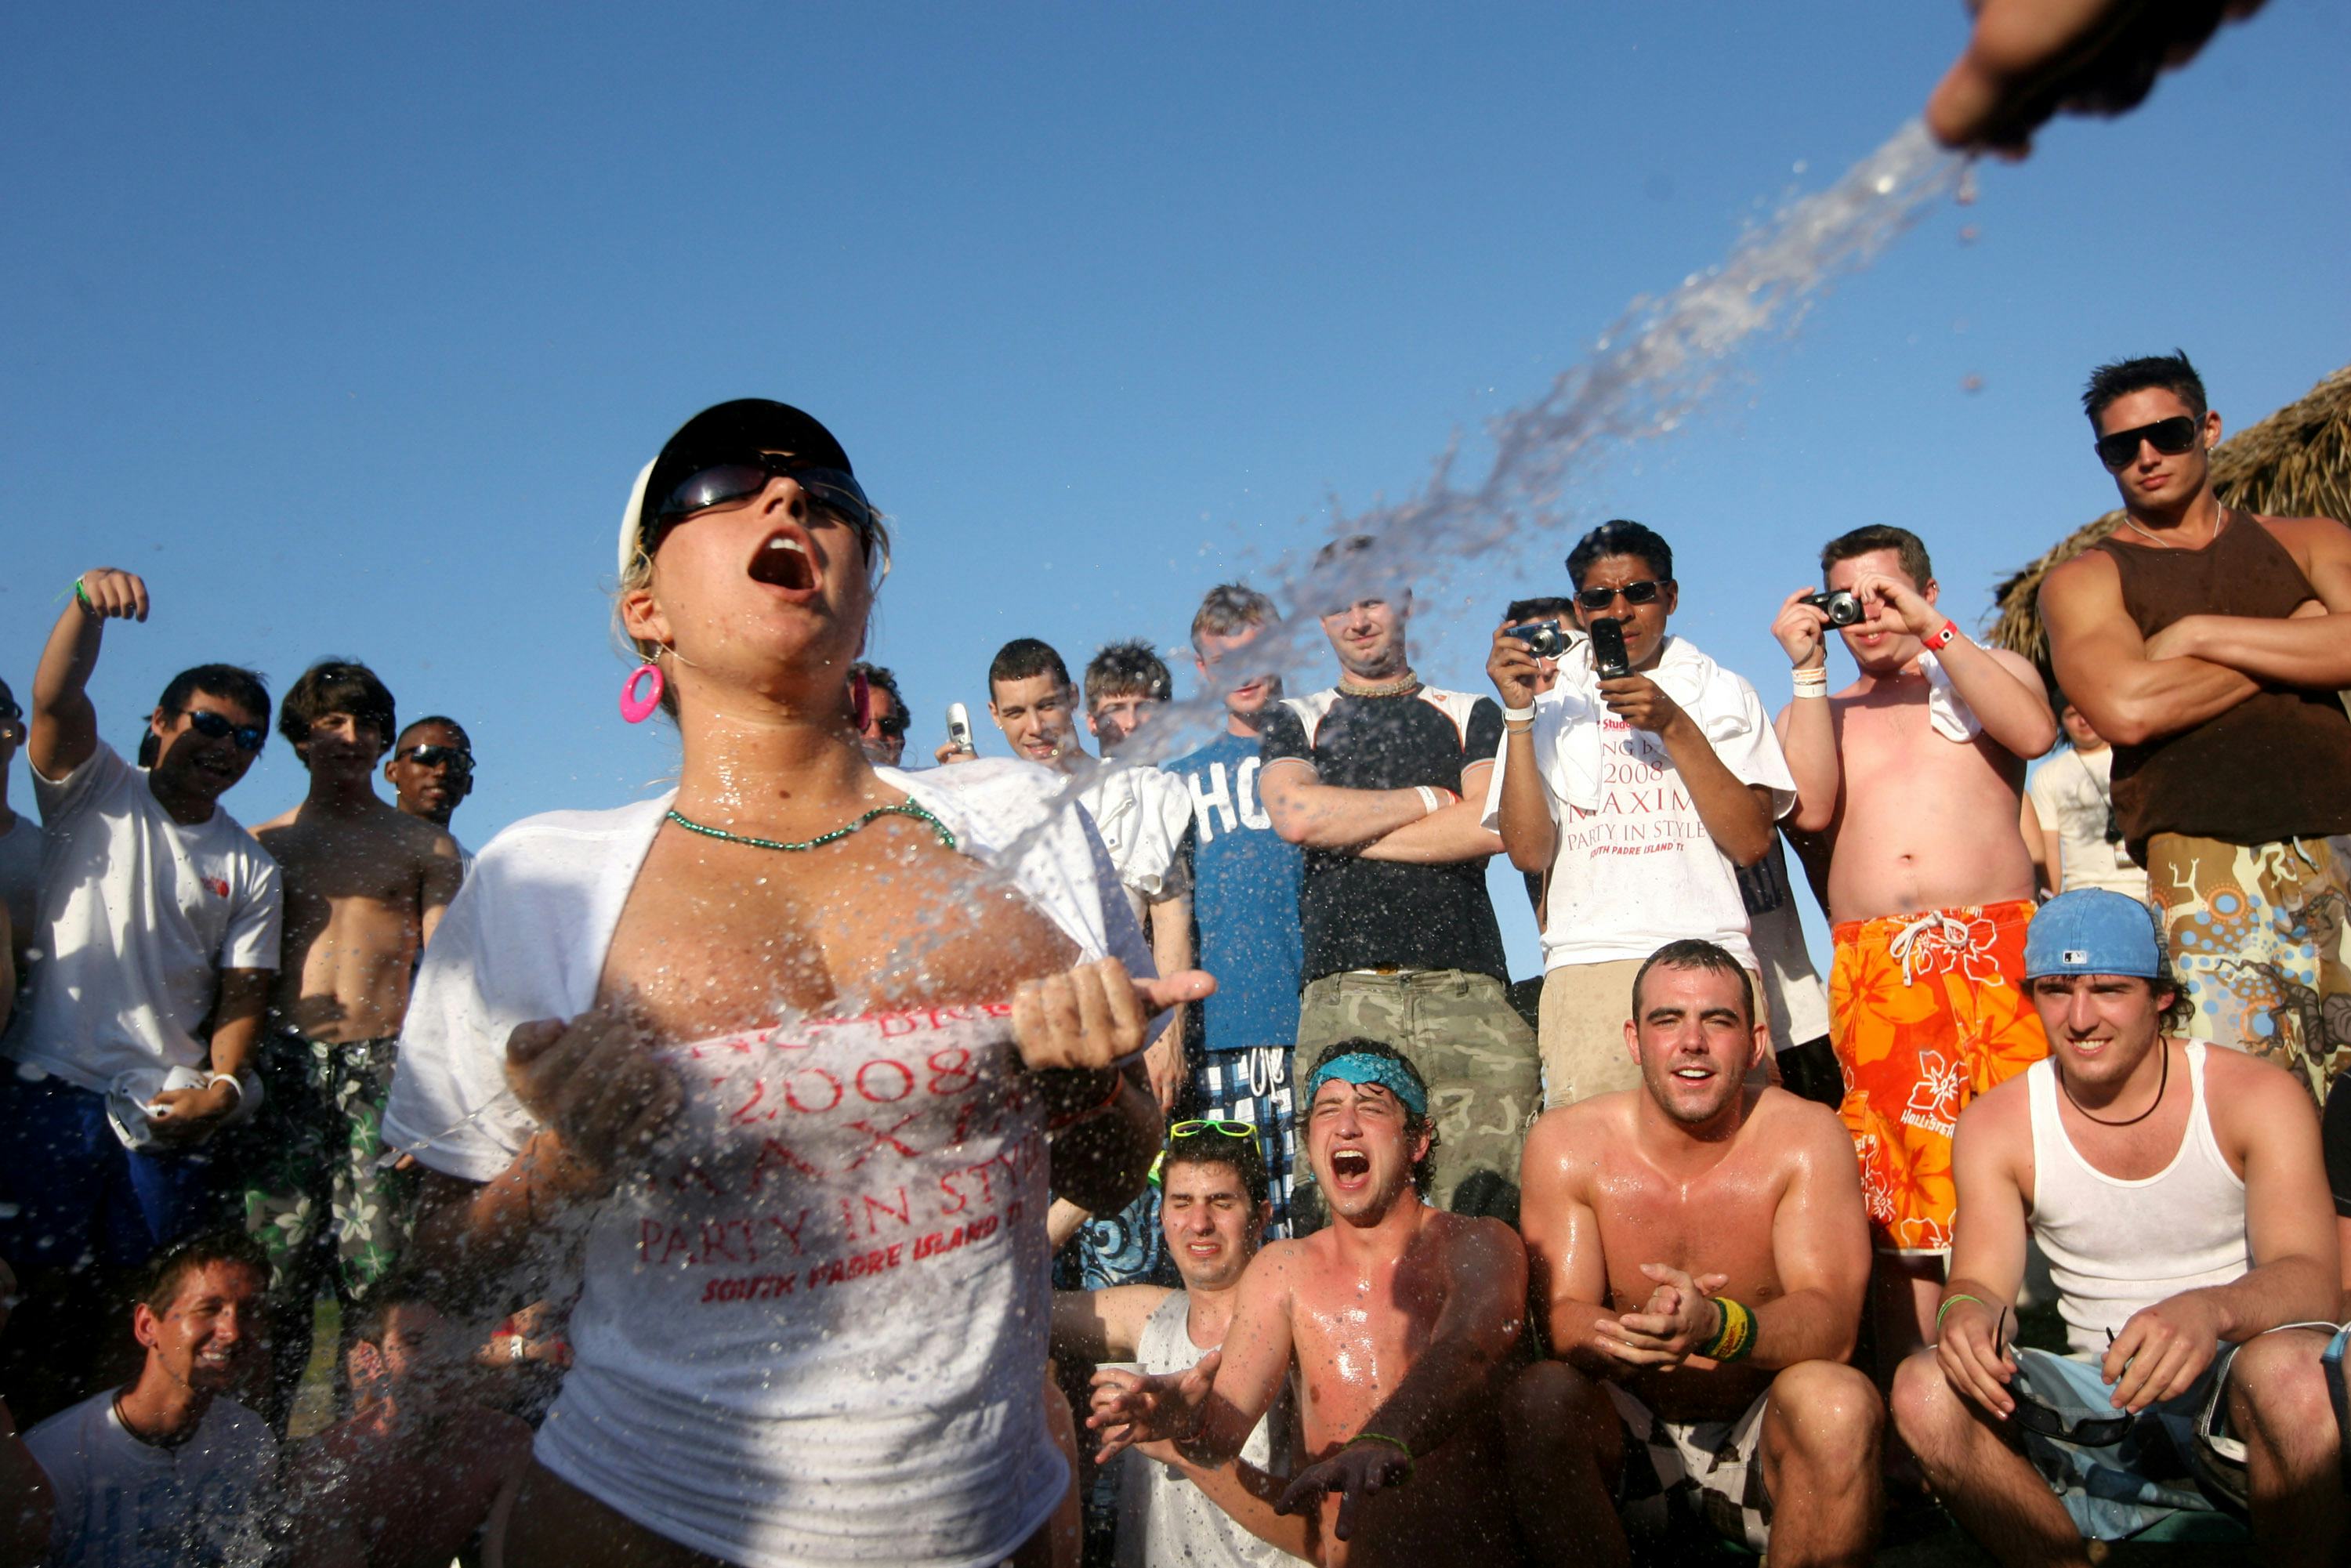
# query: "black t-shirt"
1364, 914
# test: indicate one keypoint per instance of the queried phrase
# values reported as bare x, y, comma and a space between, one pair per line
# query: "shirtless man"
365, 885
1911, 779
430, 770
1402, 1321
1675, 1232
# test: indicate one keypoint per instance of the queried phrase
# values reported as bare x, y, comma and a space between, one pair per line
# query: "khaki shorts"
1472, 1050
1584, 1011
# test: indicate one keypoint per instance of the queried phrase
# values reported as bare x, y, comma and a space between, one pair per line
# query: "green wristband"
1399, 1443
1948, 1302
1735, 1340
81, 597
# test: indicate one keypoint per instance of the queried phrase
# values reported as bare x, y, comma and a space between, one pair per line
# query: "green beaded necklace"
904, 809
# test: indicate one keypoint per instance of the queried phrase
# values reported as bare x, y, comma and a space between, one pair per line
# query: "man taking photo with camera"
1640, 793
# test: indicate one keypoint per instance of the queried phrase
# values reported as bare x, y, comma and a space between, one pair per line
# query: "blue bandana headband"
1362, 1067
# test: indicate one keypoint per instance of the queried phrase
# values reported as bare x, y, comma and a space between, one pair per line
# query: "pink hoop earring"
860, 700
634, 707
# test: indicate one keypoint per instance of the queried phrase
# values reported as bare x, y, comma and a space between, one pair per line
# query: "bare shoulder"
279, 823
2310, 538
1796, 1130
2016, 664
2084, 573
1576, 1137
2250, 1098
1999, 1122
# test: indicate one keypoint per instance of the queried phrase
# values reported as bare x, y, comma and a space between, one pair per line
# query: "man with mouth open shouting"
1699, 1256
1404, 1320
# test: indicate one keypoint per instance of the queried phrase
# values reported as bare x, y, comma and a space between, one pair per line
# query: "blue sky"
347, 327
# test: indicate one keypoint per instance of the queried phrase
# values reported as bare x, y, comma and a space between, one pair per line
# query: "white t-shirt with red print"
139, 914
816, 1333
1635, 867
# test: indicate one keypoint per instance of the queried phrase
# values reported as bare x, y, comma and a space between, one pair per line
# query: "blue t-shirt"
1245, 883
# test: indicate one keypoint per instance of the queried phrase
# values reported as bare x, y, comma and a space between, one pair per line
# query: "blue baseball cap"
2092, 931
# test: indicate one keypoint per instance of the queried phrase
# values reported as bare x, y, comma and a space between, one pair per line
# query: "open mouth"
1350, 1168
1694, 1074
783, 561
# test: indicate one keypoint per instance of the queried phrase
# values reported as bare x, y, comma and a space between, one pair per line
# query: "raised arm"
2311, 648
2004, 690
1209, 1411
1807, 729
1567, 1273
1106, 1325
2106, 667
1738, 816
64, 729
1530, 837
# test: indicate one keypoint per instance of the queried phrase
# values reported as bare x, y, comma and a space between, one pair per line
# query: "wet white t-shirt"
122, 1503
818, 1335
1635, 867
139, 914
1141, 814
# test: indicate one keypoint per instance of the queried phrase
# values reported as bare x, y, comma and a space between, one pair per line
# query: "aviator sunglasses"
1645, 591
723, 484
2169, 436
216, 726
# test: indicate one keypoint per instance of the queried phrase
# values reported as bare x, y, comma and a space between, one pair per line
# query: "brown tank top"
2277, 765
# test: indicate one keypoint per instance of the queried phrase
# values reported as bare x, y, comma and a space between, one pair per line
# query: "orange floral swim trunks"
1927, 1012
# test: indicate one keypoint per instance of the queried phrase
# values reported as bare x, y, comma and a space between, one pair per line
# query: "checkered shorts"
1707, 1473
1253, 1085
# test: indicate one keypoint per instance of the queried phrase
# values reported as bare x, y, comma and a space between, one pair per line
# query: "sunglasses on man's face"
11, 717
1645, 591
724, 484
456, 759
220, 726
2169, 436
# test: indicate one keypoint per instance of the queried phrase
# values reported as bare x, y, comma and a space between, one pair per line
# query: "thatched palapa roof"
2295, 462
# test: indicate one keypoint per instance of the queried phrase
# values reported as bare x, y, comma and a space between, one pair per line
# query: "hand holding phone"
958, 747
1609, 659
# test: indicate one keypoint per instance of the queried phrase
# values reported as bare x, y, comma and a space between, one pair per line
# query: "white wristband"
1428, 801
1519, 715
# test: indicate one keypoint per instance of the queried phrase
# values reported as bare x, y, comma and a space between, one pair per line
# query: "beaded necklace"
904, 809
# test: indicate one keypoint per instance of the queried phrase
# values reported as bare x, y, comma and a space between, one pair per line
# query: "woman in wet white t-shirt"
779, 1057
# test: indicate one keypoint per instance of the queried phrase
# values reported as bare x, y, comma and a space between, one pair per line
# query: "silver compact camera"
1838, 604
1544, 639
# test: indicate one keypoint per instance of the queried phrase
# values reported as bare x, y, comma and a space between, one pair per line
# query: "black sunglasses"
455, 758
2169, 436
722, 484
1645, 591
892, 725
217, 727
2089, 1432
10, 716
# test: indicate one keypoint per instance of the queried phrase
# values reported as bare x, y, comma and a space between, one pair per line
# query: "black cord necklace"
2161, 1084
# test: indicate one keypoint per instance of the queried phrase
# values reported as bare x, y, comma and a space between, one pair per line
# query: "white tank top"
817, 1333
2116, 1246
1164, 1521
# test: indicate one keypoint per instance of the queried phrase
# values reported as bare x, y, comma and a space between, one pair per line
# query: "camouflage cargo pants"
1472, 1049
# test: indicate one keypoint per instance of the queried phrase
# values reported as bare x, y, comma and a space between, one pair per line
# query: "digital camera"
1838, 604
1544, 639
